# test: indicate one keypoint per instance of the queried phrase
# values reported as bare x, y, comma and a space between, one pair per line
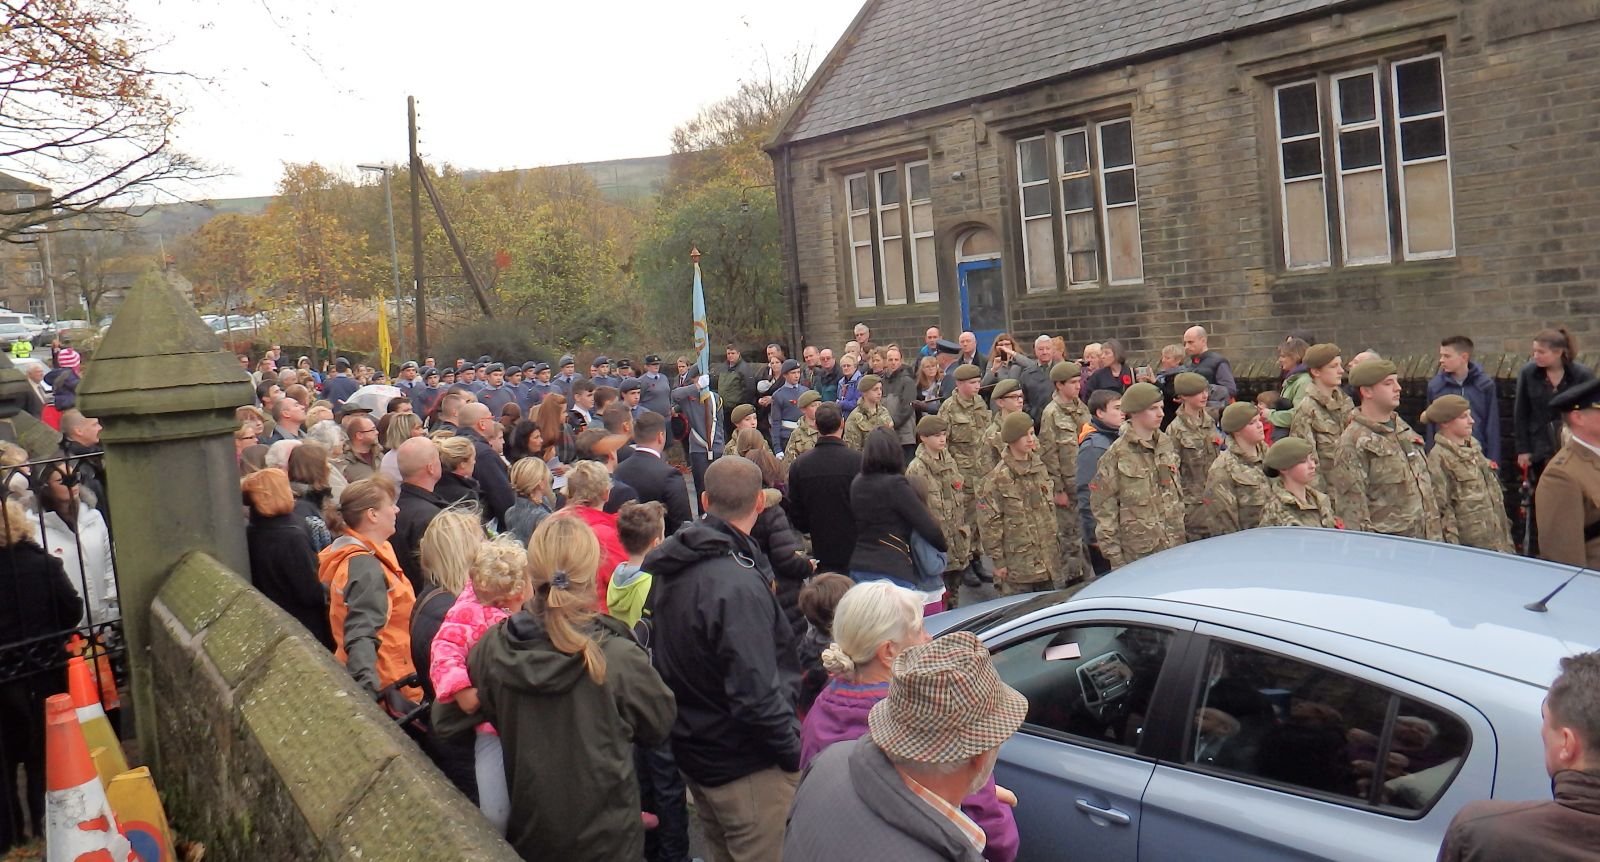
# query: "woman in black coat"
37, 600
282, 564
887, 511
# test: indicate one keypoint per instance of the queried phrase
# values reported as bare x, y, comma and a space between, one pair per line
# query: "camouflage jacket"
1284, 510
1381, 482
968, 423
1198, 444
995, 448
1136, 500
863, 420
1016, 526
1059, 425
1236, 491
946, 492
801, 441
1320, 419
1470, 496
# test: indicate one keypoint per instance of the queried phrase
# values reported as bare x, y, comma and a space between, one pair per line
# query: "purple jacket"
840, 714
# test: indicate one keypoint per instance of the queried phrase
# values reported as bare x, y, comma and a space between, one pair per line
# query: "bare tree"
83, 112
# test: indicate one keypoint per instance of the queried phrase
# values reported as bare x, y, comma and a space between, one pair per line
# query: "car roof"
1449, 602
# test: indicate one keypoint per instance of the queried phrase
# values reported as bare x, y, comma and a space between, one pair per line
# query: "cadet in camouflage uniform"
969, 419
1324, 410
1015, 524
1292, 502
1236, 489
804, 437
947, 497
1470, 498
1380, 478
743, 416
1135, 497
1059, 425
869, 413
1006, 399
1196, 439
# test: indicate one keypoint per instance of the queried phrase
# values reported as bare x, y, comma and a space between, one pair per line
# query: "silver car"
1280, 694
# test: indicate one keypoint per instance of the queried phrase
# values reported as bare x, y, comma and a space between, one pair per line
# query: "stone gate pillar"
165, 392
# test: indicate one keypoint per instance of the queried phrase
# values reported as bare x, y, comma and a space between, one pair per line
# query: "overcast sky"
498, 84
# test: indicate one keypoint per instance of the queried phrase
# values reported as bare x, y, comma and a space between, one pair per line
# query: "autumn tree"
83, 111
219, 259
99, 253
720, 198
304, 253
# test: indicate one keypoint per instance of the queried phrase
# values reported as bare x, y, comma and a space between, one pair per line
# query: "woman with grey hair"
334, 440
874, 622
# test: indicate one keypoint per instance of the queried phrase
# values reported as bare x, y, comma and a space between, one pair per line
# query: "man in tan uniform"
804, 437
869, 413
1567, 501
1059, 425
1470, 496
1015, 524
947, 497
1321, 416
1380, 480
1236, 488
1197, 442
1135, 497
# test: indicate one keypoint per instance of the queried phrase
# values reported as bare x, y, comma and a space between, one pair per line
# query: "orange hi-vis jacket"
394, 640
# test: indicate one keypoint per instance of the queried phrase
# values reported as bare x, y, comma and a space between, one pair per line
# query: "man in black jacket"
723, 647
650, 474
490, 471
819, 493
418, 460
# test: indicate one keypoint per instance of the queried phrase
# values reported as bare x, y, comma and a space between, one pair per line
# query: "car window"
1282, 720
1092, 682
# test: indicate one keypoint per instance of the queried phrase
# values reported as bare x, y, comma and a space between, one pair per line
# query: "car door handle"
1120, 818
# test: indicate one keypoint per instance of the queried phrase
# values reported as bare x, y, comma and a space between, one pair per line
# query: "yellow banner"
383, 339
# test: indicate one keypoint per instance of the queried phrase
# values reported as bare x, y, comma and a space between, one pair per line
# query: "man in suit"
819, 493
650, 474
1564, 502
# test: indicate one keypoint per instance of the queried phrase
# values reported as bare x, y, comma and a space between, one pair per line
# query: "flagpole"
702, 346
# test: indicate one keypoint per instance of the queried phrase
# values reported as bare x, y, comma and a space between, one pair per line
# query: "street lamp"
42, 233
394, 258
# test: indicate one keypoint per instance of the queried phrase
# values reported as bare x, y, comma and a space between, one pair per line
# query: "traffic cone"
97, 730
79, 824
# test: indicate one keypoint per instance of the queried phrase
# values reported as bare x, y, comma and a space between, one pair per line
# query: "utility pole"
421, 312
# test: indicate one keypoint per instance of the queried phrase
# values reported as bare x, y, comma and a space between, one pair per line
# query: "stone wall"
1520, 80
270, 751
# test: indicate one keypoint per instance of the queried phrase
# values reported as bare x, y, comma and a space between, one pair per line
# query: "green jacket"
1293, 390
626, 593
568, 741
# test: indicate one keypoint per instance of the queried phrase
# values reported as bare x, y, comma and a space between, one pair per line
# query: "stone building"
22, 273
1381, 174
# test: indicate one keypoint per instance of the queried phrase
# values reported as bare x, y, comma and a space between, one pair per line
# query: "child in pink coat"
498, 586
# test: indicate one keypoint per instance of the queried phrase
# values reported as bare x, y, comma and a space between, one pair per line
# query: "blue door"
983, 301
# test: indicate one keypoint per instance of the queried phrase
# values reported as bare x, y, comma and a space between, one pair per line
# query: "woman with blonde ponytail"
570, 693
874, 623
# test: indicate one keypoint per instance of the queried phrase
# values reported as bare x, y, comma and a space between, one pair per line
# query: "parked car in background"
33, 323
10, 332
1232, 699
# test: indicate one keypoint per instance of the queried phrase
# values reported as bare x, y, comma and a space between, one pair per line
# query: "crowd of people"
507, 558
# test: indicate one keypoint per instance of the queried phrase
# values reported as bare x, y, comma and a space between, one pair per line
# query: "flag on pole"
383, 338
702, 341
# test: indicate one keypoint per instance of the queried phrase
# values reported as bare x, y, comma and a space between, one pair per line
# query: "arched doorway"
983, 295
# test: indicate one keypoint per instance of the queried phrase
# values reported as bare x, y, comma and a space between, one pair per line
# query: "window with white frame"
890, 231
24, 201
36, 306
33, 274
1078, 194
1375, 116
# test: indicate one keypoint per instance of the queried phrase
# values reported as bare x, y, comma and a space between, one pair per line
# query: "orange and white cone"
79, 824
97, 730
